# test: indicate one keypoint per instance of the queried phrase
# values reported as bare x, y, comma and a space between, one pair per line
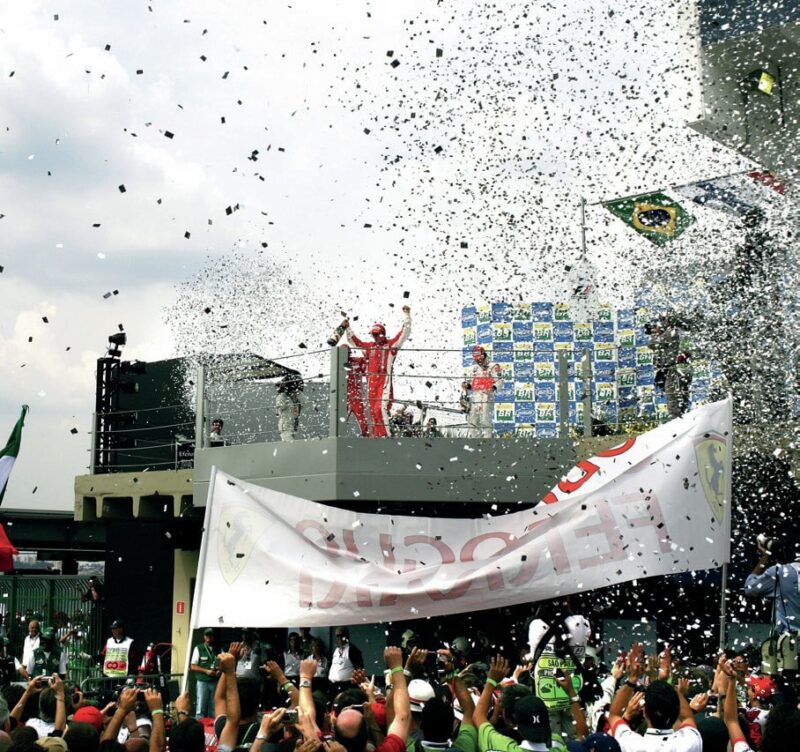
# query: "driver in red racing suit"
379, 356
356, 402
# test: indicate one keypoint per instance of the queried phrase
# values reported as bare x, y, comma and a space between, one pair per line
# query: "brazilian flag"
654, 215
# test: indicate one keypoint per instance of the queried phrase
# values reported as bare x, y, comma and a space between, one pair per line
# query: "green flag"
654, 215
9, 454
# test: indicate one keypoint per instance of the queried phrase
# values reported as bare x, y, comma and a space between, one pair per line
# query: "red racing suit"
378, 362
356, 367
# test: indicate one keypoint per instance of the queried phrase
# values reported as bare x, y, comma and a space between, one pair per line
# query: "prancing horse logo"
711, 453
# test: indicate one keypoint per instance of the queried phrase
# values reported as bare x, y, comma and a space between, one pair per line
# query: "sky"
161, 159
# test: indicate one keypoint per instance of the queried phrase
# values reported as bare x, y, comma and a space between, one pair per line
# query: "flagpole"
726, 527
583, 228
672, 188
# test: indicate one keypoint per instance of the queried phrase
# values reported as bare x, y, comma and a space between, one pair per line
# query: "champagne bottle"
333, 340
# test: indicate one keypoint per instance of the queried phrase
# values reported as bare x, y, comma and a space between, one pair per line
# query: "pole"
722, 608
586, 374
563, 394
93, 460
583, 228
199, 413
338, 402
728, 512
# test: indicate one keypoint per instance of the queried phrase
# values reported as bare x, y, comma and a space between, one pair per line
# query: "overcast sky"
352, 147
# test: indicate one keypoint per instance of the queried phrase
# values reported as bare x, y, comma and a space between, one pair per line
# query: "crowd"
560, 691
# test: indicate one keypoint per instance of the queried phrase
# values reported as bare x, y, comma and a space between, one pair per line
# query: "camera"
290, 717
766, 543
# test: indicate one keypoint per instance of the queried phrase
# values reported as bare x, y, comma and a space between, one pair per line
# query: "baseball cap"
419, 692
533, 722
89, 714
763, 686
409, 636
208, 631
48, 633
378, 328
52, 743
117, 624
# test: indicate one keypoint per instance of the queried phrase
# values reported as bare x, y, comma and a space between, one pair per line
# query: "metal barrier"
54, 601
426, 379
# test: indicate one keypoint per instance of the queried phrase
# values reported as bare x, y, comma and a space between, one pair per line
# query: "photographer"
778, 582
48, 658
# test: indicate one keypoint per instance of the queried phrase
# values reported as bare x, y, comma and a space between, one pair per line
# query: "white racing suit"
484, 378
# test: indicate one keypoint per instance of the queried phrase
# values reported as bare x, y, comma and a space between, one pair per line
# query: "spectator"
662, 707
292, 656
250, 656
31, 641
778, 583
118, 654
206, 673
48, 658
289, 406
530, 719
82, 737
346, 658
215, 437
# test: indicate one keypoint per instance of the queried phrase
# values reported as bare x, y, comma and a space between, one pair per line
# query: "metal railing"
580, 393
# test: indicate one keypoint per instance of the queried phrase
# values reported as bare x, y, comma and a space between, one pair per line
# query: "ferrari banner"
657, 504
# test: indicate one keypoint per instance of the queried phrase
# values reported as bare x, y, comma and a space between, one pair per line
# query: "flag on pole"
770, 180
654, 215
9, 455
738, 195
717, 195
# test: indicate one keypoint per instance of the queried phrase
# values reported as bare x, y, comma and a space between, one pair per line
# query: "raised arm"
401, 723
308, 669
400, 338
233, 711
578, 716
625, 692
61, 703
126, 703
276, 673
352, 339
497, 671
158, 736
686, 714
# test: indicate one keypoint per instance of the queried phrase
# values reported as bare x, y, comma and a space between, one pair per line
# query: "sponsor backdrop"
524, 338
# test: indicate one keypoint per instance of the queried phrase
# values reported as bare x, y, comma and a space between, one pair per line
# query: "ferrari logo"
239, 529
711, 453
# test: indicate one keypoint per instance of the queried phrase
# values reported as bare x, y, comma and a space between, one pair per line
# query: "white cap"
419, 692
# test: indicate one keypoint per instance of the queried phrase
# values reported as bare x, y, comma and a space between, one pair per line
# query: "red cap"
763, 686
378, 328
89, 714
478, 352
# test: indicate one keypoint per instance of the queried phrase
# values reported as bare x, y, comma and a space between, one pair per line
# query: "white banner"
657, 504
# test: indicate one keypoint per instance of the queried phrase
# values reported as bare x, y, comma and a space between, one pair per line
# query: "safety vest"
544, 676
45, 664
115, 662
206, 658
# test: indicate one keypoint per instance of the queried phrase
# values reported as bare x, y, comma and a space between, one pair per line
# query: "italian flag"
9, 455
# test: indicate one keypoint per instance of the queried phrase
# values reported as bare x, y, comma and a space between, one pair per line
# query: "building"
748, 58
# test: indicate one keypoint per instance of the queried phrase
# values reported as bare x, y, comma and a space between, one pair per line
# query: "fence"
55, 602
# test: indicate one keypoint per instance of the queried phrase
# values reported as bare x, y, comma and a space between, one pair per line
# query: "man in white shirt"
663, 706
31, 642
346, 658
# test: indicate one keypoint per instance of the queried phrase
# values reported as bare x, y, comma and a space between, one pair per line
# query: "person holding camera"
48, 658
778, 582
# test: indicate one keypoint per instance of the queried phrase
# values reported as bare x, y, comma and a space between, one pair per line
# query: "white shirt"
685, 739
341, 665
291, 662
28, 646
43, 728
